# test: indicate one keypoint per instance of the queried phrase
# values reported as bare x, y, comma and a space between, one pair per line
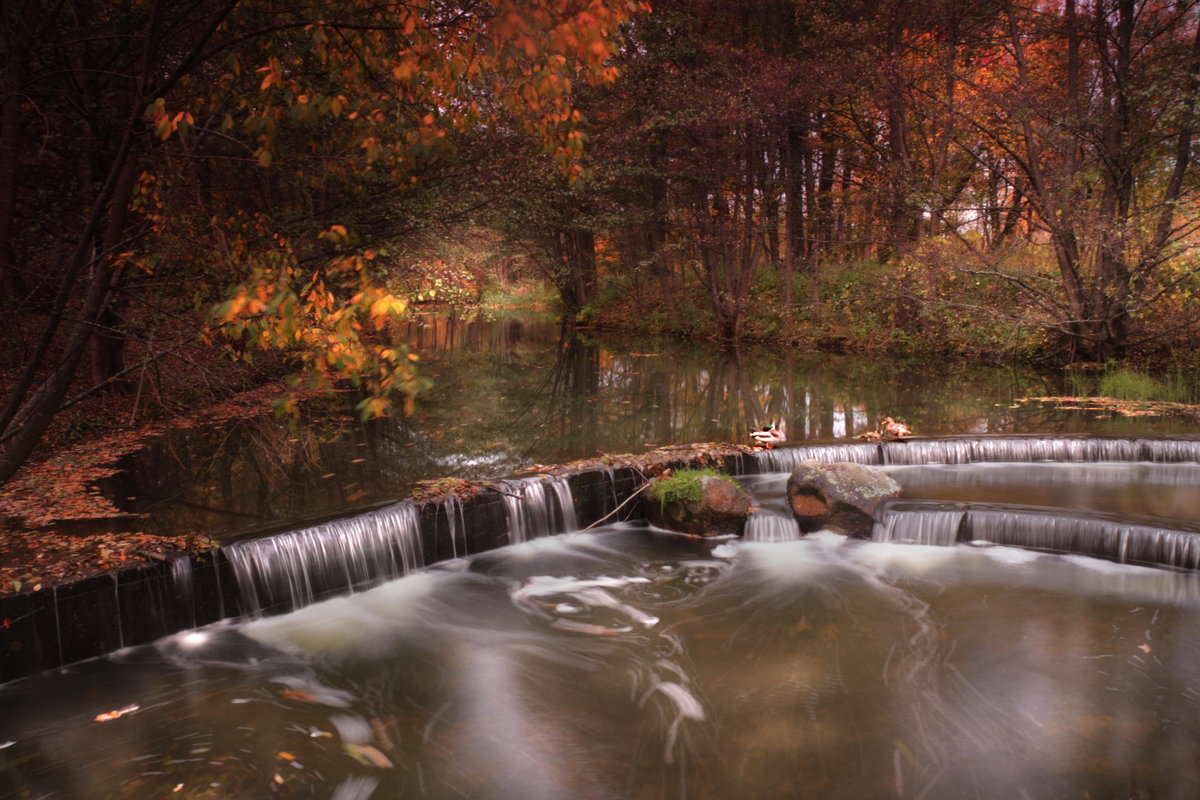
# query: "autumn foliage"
989, 177
157, 159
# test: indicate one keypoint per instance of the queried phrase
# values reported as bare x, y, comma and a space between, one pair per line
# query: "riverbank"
53, 516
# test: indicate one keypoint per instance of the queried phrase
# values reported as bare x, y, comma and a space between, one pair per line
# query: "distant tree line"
248, 172
1044, 148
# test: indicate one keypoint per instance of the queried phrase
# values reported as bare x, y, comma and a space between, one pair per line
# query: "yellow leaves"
374, 407
166, 124
287, 405
385, 307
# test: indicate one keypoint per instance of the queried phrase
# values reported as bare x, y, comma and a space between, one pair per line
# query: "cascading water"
814, 664
986, 449
1130, 500
635, 664
769, 526
538, 507
1046, 529
292, 570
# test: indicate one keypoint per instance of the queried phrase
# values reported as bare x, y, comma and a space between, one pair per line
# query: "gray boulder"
842, 496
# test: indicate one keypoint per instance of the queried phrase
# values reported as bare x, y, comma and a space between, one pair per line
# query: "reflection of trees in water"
570, 396
441, 333
509, 393
701, 393
254, 472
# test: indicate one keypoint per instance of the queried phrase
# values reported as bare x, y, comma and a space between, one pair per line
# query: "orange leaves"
386, 306
274, 76
337, 235
109, 716
166, 124
333, 322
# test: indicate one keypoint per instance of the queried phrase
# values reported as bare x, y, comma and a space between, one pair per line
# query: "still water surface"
514, 392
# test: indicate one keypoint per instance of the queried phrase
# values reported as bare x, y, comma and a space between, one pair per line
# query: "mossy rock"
699, 502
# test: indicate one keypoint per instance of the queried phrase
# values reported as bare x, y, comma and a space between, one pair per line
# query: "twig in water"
624, 502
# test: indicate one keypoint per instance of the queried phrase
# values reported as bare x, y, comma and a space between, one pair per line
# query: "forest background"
194, 195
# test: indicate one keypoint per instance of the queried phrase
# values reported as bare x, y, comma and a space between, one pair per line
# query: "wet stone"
842, 496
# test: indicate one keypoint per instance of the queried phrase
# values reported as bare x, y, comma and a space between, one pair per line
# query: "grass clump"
684, 486
1127, 384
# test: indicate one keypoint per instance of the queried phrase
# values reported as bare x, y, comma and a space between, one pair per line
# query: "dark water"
635, 664
512, 393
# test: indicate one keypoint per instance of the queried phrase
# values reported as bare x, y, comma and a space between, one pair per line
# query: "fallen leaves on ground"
1126, 408
439, 490
33, 560
62, 488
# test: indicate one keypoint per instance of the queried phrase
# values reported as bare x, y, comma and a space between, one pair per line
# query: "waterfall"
183, 585
765, 526
293, 569
538, 507
1047, 529
904, 524
972, 450
785, 459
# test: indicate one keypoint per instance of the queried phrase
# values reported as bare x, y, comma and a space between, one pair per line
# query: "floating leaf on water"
367, 755
108, 716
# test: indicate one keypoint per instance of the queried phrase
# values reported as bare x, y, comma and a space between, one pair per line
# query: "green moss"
684, 486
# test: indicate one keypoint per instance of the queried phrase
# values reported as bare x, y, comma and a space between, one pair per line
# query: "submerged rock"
841, 496
696, 502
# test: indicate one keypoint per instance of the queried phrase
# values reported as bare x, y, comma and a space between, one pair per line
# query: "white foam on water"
916, 560
360, 622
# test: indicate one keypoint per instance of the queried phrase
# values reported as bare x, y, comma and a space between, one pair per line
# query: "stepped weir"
274, 574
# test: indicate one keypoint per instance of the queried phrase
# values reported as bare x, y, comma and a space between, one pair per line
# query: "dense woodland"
186, 185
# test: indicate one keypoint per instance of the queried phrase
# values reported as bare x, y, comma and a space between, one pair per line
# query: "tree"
273, 135
1088, 117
